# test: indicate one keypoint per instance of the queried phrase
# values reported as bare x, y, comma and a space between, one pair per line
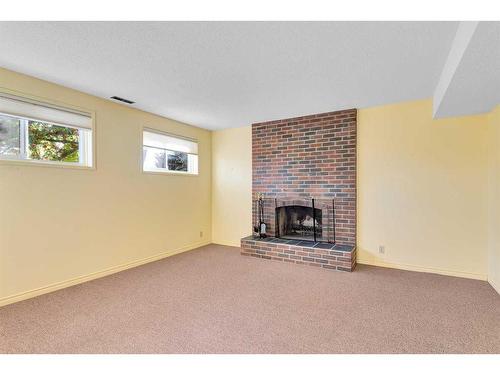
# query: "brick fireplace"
305, 168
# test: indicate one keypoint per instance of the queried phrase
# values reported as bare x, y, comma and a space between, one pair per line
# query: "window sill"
38, 163
171, 173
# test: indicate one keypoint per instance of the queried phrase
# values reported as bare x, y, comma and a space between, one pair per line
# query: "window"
168, 153
38, 132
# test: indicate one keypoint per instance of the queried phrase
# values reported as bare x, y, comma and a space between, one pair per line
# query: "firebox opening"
299, 222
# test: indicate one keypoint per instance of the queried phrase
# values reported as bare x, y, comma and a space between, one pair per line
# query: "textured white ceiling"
470, 83
228, 74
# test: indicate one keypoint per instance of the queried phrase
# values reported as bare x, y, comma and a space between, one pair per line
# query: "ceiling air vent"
122, 100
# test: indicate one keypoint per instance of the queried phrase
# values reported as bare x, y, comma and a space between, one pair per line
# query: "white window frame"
193, 163
86, 141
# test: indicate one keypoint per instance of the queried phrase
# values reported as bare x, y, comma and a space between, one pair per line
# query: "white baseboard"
438, 271
223, 243
95, 275
494, 285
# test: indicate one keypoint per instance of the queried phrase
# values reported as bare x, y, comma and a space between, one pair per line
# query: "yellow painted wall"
422, 190
423, 193
59, 226
232, 185
494, 200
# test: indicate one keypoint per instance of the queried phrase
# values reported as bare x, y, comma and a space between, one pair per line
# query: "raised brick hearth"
325, 255
309, 157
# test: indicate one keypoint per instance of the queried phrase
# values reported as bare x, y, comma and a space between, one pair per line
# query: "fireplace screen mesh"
299, 222
295, 219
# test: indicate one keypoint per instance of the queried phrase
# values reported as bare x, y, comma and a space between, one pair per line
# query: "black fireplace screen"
301, 219
299, 222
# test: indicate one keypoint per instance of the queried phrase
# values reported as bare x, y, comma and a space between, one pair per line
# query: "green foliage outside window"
52, 142
178, 161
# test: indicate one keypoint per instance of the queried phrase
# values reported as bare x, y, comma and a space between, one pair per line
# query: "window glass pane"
167, 153
52, 142
153, 158
85, 146
177, 161
193, 164
10, 138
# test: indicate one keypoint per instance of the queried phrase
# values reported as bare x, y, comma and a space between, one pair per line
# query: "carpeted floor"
212, 300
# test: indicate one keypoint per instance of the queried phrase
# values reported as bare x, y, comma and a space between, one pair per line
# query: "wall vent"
122, 100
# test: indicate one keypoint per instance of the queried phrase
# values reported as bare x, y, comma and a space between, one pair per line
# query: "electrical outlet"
201, 233
381, 249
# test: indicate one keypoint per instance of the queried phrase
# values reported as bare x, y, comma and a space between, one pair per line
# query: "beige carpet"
212, 300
